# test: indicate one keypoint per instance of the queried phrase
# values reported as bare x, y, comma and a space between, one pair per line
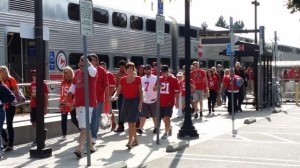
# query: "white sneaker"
62, 139
94, 140
165, 136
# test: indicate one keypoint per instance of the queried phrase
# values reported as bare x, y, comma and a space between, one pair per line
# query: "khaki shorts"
198, 95
80, 112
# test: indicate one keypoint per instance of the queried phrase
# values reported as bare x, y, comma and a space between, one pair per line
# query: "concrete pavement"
111, 146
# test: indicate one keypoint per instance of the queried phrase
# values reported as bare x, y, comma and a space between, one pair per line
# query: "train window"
167, 28
104, 58
211, 63
117, 59
137, 61
74, 60
181, 31
166, 61
219, 62
119, 19
101, 15
150, 25
73, 11
202, 64
151, 60
194, 33
136, 23
226, 64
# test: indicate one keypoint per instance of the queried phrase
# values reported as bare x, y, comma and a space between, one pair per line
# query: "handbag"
105, 121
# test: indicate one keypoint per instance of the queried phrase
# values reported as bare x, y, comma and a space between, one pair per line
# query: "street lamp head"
204, 26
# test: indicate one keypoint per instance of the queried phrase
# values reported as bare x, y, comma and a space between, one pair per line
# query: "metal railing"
54, 95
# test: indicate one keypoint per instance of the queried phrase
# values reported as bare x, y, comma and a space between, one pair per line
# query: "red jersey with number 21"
169, 86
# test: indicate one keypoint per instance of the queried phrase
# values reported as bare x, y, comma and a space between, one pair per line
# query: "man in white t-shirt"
150, 99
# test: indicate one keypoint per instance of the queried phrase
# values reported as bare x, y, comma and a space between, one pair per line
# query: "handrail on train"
54, 96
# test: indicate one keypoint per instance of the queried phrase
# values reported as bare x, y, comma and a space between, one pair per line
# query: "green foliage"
238, 25
293, 5
222, 23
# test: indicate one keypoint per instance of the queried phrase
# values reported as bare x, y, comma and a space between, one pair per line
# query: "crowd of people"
135, 90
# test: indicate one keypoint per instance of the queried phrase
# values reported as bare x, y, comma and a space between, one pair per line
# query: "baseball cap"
179, 74
147, 66
165, 68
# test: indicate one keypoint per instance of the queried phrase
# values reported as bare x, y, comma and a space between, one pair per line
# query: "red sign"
200, 50
241, 48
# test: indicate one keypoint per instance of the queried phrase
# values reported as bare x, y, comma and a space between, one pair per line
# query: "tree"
293, 5
221, 22
238, 25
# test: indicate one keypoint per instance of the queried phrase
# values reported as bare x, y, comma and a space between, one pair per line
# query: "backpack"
6, 96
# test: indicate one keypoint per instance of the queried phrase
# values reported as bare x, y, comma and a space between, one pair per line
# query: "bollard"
297, 93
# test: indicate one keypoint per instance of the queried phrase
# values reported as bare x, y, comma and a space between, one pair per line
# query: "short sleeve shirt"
169, 86
130, 90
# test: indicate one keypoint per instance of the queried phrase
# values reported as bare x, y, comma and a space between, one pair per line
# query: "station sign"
160, 29
86, 18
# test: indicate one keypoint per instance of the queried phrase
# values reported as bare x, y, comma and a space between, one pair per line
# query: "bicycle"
276, 98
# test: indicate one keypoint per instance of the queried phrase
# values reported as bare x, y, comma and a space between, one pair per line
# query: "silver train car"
118, 35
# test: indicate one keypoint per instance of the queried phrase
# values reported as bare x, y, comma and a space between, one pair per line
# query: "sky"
272, 14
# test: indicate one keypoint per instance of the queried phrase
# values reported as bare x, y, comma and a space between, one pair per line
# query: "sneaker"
33, 143
201, 115
154, 131
165, 136
139, 131
8, 148
94, 141
62, 139
196, 115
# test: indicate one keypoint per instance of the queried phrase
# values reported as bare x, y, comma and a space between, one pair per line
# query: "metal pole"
86, 101
232, 75
275, 55
255, 3
158, 94
40, 152
187, 129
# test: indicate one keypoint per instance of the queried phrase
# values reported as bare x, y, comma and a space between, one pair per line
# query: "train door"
21, 56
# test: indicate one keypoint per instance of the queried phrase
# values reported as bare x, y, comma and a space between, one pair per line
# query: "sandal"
134, 143
77, 153
128, 146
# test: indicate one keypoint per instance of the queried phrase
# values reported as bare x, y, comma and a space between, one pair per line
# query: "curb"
121, 164
250, 120
177, 146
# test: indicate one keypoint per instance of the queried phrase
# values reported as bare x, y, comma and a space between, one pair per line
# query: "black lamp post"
255, 3
40, 151
187, 130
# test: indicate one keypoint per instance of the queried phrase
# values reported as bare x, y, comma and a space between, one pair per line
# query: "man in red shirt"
199, 77
112, 85
102, 90
119, 75
169, 96
77, 88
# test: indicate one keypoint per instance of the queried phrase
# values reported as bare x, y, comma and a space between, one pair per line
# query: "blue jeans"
95, 121
2, 118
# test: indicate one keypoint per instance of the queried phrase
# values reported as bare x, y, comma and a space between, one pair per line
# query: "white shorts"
198, 95
80, 112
